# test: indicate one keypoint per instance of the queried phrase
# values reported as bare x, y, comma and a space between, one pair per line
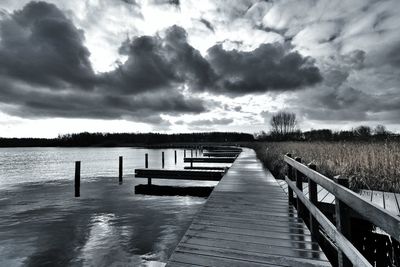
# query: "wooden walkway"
247, 221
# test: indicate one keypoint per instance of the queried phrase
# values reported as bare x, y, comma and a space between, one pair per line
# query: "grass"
374, 166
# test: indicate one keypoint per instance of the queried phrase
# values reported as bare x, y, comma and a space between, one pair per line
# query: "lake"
42, 224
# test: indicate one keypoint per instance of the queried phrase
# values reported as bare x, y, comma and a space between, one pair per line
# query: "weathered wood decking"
247, 221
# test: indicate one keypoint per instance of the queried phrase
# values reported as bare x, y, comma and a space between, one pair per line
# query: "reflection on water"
42, 224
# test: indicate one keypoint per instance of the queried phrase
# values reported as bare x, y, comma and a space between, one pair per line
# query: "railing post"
342, 221
290, 176
120, 169
313, 194
299, 185
175, 156
162, 160
77, 178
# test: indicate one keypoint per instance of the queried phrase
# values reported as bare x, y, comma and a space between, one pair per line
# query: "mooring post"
343, 223
191, 156
196, 151
146, 165
175, 157
162, 160
313, 194
120, 169
290, 176
184, 153
77, 178
299, 185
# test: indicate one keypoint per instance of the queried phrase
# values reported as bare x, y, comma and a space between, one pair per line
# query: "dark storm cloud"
155, 62
45, 71
40, 45
267, 68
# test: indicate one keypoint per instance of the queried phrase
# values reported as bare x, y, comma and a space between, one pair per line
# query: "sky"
188, 66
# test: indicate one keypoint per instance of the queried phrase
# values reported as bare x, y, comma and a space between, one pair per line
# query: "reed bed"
374, 166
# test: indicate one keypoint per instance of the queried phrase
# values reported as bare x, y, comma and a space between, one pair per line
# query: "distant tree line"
126, 139
284, 128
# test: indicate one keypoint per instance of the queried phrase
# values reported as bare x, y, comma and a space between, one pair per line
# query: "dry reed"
374, 166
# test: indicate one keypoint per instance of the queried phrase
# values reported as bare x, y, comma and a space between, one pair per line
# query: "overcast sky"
184, 66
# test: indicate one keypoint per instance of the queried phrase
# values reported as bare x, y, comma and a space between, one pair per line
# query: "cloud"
46, 71
207, 24
267, 68
39, 45
206, 122
156, 62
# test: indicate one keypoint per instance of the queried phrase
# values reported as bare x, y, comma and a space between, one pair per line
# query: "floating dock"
247, 221
221, 154
188, 174
211, 160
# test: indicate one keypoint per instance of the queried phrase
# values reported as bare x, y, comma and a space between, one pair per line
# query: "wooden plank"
371, 212
211, 160
377, 198
391, 203
366, 194
205, 168
221, 154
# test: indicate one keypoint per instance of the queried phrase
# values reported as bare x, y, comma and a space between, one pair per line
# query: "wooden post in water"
191, 155
196, 151
299, 185
162, 160
146, 165
343, 223
313, 194
120, 169
77, 178
290, 176
175, 157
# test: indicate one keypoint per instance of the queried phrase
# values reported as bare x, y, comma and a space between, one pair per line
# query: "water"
42, 224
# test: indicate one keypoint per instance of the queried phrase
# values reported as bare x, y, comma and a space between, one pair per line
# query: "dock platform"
247, 221
211, 160
188, 174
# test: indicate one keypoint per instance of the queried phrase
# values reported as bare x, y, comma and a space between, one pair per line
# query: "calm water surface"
42, 224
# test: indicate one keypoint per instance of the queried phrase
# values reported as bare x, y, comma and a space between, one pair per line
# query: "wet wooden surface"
247, 221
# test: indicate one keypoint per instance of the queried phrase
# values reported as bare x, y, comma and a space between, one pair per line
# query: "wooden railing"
347, 205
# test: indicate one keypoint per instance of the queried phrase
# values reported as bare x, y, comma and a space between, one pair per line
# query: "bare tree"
283, 123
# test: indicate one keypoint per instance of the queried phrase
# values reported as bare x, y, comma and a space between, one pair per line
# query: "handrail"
356, 258
375, 214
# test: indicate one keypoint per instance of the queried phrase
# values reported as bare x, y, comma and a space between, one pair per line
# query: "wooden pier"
247, 221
